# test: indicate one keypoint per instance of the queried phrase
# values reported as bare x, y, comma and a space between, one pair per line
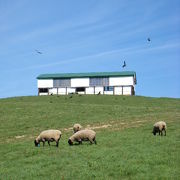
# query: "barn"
112, 83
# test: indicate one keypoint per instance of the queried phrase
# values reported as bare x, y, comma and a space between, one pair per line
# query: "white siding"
98, 89
122, 86
121, 81
43, 94
90, 90
53, 91
45, 83
118, 90
62, 91
108, 92
126, 90
80, 82
71, 90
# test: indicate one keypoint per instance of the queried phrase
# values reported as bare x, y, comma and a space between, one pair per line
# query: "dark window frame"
43, 90
80, 89
108, 88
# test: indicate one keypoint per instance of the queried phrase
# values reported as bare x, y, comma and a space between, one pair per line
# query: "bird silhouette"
149, 39
124, 65
38, 51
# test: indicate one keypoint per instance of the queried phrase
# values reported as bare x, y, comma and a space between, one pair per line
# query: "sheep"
48, 135
77, 127
83, 135
159, 127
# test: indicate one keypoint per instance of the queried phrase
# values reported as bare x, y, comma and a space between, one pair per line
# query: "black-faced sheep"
83, 135
48, 135
77, 127
159, 127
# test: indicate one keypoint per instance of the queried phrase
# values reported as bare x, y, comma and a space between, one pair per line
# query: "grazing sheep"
48, 135
159, 127
83, 135
77, 127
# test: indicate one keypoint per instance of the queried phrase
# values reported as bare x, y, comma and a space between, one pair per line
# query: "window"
61, 83
80, 89
99, 81
43, 90
108, 88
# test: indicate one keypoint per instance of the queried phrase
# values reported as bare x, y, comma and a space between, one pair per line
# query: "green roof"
85, 75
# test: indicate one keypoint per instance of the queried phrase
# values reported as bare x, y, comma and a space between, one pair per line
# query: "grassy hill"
126, 148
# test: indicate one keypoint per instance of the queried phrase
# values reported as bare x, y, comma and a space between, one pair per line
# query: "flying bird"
149, 39
38, 51
124, 65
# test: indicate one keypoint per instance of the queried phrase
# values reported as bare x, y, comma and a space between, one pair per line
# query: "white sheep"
83, 135
48, 135
77, 127
159, 127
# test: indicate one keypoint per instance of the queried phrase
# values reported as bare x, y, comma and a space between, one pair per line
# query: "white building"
114, 83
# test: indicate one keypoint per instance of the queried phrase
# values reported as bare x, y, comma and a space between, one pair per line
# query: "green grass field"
126, 148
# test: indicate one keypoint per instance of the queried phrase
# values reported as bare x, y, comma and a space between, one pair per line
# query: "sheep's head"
77, 127
70, 142
154, 131
36, 143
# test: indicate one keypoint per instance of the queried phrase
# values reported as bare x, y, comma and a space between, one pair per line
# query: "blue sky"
90, 36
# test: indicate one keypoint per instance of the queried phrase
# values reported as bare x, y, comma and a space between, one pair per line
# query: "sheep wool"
83, 135
48, 135
77, 127
159, 127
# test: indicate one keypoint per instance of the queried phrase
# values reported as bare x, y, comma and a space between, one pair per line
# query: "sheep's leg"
57, 143
165, 132
94, 141
80, 141
49, 143
161, 133
43, 142
91, 141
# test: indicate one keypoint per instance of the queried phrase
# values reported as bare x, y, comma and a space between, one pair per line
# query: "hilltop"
126, 147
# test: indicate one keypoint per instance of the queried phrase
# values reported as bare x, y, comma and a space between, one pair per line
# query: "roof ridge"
86, 74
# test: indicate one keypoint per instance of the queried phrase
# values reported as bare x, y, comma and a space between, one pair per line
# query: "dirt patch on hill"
19, 137
112, 125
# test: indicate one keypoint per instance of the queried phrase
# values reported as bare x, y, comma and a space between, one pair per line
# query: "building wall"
62, 91
84, 82
45, 83
126, 90
80, 82
108, 92
121, 81
90, 90
43, 94
99, 89
118, 90
122, 86
71, 90
53, 91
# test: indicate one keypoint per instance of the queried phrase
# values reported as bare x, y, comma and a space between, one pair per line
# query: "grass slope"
126, 148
